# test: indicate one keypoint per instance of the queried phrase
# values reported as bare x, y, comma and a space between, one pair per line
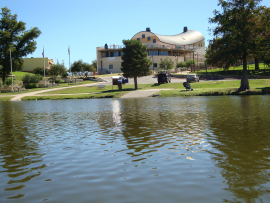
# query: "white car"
193, 78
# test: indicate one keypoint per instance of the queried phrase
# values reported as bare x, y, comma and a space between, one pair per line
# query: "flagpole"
11, 69
69, 63
44, 68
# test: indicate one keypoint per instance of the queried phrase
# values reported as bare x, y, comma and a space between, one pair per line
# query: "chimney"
185, 29
148, 29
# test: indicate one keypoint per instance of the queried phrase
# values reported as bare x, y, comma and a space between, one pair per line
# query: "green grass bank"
209, 88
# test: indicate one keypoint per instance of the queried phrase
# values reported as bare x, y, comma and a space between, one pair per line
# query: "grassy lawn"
18, 75
38, 89
106, 75
197, 85
5, 98
237, 70
112, 94
200, 88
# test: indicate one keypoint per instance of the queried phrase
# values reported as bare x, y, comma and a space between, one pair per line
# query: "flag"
43, 52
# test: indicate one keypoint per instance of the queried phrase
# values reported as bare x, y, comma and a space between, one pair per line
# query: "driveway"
150, 79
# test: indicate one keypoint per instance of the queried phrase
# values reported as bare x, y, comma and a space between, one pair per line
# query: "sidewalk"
142, 93
19, 96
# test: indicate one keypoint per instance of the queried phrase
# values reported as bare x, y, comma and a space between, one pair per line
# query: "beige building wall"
147, 36
106, 64
31, 63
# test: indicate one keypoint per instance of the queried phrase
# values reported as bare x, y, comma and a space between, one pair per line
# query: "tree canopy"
80, 66
14, 37
237, 35
135, 63
166, 63
57, 69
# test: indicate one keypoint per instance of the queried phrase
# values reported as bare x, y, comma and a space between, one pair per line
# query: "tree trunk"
135, 83
257, 64
3, 75
244, 80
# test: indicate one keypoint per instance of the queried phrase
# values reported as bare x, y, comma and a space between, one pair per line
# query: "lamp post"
11, 70
197, 59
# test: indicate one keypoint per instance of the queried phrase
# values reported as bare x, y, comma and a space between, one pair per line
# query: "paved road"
144, 80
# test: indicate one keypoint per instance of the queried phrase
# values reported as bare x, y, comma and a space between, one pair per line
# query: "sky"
86, 24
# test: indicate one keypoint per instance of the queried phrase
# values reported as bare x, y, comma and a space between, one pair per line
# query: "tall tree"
80, 66
234, 33
135, 63
94, 64
57, 69
262, 35
14, 37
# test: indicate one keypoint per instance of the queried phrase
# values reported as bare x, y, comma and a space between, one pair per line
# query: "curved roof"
185, 38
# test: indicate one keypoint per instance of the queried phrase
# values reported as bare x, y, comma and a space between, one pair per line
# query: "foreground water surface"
194, 149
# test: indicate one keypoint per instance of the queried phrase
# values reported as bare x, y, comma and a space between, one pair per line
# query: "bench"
101, 87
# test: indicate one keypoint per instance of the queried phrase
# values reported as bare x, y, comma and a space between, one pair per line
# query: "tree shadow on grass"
264, 89
184, 91
117, 90
154, 85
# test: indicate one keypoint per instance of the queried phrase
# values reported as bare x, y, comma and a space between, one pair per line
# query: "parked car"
193, 78
163, 78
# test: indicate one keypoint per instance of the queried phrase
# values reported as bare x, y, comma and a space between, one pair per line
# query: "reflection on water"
205, 149
241, 138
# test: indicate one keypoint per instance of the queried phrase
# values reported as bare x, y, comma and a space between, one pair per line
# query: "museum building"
190, 44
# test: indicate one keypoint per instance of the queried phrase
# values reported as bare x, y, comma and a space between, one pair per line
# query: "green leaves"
236, 35
166, 63
80, 66
14, 37
57, 69
135, 63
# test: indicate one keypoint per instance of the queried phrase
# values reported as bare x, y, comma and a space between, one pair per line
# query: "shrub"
35, 78
31, 79
40, 71
189, 62
181, 64
8, 81
59, 81
26, 79
29, 86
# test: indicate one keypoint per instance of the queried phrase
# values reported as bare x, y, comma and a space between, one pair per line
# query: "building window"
107, 54
153, 53
111, 66
164, 53
143, 36
115, 54
154, 41
138, 39
111, 54
155, 65
148, 38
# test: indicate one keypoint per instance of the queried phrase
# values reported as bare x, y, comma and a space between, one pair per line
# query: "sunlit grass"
115, 94
5, 98
239, 68
60, 85
130, 87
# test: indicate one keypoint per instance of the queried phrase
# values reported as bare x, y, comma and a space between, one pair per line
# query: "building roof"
185, 38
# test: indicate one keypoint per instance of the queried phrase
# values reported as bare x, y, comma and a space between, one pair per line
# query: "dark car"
163, 78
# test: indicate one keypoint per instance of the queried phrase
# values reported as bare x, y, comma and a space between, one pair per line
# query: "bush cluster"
185, 64
31, 81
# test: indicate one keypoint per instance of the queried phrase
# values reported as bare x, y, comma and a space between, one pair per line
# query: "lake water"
190, 149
